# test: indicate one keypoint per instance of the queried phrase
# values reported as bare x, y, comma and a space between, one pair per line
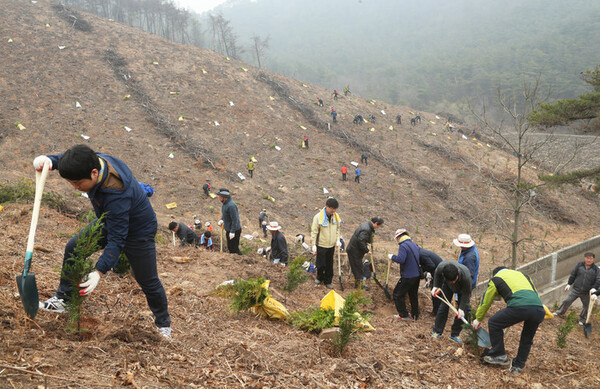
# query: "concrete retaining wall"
548, 272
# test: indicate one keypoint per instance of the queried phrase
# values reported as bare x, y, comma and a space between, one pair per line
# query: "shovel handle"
40, 181
590, 307
387, 275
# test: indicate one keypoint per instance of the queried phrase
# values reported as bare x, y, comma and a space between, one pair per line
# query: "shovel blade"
29, 294
483, 338
587, 329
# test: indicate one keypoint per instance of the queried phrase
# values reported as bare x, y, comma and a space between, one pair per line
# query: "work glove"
594, 297
428, 279
220, 223
592, 291
567, 288
390, 256
314, 249
338, 243
268, 249
39, 161
90, 284
460, 314
435, 291
231, 235
476, 324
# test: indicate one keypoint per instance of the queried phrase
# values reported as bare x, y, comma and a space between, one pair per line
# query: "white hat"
273, 226
207, 224
197, 222
464, 240
264, 223
399, 232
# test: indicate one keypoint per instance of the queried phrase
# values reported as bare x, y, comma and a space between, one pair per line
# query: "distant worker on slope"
206, 188
230, 220
398, 119
344, 173
357, 173
335, 94
263, 219
250, 168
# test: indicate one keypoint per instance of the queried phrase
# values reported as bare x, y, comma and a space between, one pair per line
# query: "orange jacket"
344, 170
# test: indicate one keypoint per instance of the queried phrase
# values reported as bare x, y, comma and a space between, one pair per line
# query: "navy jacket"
470, 258
429, 260
408, 258
129, 219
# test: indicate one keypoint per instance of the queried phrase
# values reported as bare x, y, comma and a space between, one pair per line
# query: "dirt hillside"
62, 83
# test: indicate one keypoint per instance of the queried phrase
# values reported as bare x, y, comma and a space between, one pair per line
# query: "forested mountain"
428, 54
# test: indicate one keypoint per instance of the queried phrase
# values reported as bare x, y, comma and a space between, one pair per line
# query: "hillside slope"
420, 178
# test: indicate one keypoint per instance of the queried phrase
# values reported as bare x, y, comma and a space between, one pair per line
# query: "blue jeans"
530, 315
142, 257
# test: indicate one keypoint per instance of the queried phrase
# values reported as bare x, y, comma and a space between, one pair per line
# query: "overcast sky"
198, 5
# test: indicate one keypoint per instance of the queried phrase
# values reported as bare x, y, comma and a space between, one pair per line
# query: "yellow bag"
270, 308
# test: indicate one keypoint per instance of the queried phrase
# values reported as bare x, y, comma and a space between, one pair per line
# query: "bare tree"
258, 48
514, 134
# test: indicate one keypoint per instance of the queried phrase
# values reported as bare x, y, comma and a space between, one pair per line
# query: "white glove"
338, 243
460, 314
435, 291
220, 223
38, 162
476, 324
592, 291
390, 256
594, 297
231, 235
90, 284
567, 288
314, 249
428, 275
269, 249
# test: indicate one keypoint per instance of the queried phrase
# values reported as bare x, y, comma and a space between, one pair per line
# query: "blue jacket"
408, 256
129, 214
230, 216
470, 258
357, 171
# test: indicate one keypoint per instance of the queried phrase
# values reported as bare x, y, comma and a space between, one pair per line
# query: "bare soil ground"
433, 183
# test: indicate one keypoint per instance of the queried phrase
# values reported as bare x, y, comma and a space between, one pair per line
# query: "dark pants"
570, 299
356, 264
406, 286
325, 264
206, 192
264, 228
233, 245
250, 172
442, 314
344, 177
142, 257
530, 315
357, 179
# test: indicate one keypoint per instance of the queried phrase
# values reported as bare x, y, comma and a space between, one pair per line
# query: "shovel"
340, 268
26, 282
387, 276
483, 338
387, 292
587, 326
221, 238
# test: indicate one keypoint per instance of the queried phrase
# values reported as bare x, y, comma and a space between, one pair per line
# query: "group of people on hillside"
127, 224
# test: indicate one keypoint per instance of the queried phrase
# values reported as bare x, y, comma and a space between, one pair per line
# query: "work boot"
318, 282
501, 360
329, 286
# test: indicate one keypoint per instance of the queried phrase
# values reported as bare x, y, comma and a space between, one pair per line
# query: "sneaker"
435, 335
54, 304
318, 282
329, 286
406, 318
515, 370
165, 331
283, 264
456, 339
497, 360
276, 260
581, 322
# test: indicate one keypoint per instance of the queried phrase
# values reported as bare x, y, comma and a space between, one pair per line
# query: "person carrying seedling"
523, 304
410, 276
325, 235
279, 249
184, 234
449, 278
358, 246
129, 227
230, 220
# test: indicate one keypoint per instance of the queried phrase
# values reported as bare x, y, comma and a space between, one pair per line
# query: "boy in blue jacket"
129, 226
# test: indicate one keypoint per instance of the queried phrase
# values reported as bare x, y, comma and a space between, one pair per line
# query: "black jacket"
362, 235
583, 280
186, 235
429, 260
279, 249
